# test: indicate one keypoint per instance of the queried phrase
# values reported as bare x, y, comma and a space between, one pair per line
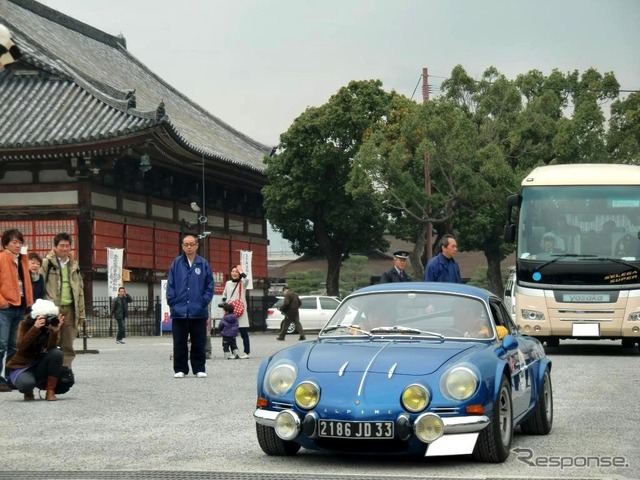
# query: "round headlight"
280, 379
415, 398
287, 425
459, 384
428, 427
307, 395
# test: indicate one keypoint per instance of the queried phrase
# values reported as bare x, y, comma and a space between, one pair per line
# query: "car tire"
290, 329
272, 444
541, 419
553, 341
494, 442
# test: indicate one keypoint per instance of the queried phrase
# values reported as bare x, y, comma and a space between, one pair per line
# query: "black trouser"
121, 322
229, 345
246, 344
183, 328
288, 320
36, 375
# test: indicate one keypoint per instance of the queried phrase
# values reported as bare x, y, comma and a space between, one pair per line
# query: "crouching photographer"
38, 361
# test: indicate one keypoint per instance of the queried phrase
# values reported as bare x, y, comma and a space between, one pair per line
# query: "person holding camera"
236, 290
38, 361
228, 327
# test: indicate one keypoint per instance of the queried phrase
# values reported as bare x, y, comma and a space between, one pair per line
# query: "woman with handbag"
235, 294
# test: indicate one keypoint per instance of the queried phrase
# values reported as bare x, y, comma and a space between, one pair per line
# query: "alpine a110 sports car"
407, 368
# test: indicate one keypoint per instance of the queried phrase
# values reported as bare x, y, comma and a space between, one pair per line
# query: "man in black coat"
120, 311
397, 273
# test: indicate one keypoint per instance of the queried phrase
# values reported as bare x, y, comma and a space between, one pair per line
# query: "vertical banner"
246, 257
114, 270
165, 315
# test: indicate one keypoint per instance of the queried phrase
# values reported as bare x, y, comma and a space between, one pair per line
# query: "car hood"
379, 356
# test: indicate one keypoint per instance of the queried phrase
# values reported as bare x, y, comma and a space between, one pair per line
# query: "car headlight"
428, 427
307, 395
415, 398
531, 315
459, 383
280, 378
634, 317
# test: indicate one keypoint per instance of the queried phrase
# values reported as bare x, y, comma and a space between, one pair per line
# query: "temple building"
95, 144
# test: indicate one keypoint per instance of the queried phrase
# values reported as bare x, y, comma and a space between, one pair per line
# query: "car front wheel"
494, 441
541, 419
272, 444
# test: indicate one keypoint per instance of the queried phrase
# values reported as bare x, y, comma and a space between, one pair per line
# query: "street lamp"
202, 217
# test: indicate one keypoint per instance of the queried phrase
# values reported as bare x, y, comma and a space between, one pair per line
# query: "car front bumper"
459, 433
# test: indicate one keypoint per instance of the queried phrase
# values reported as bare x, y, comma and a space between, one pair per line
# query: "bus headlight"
634, 317
530, 315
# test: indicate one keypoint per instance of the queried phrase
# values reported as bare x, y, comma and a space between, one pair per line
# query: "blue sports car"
419, 368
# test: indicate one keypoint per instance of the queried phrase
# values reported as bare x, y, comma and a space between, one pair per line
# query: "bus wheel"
552, 341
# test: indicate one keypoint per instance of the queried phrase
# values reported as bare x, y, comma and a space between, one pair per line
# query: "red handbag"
238, 306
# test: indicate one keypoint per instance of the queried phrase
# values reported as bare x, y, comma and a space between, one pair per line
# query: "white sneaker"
178, 375
244, 355
201, 375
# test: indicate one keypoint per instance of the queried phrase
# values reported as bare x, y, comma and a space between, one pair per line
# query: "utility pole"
427, 172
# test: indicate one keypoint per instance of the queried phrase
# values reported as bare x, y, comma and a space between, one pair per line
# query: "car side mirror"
509, 342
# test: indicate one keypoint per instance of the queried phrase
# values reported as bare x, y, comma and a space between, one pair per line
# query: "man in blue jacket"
189, 293
443, 267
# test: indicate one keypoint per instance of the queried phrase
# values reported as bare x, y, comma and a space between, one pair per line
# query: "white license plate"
586, 330
340, 429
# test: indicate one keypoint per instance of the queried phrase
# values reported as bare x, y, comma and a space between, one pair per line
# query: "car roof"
438, 287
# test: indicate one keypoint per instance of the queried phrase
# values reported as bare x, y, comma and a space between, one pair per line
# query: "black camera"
222, 304
51, 320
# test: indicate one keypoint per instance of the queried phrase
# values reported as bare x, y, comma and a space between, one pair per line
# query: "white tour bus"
578, 252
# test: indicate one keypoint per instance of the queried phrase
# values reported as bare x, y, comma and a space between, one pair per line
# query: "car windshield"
411, 313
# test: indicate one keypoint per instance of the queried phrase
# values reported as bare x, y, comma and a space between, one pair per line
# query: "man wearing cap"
443, 267
397, 273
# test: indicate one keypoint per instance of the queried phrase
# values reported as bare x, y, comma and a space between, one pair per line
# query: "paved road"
127, 417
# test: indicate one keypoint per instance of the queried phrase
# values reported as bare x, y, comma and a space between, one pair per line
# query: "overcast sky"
257, 64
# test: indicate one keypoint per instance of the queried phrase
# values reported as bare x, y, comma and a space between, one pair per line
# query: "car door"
309, 313
518, 360
328, 305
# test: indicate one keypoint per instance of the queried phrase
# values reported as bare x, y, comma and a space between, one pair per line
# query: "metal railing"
144, 316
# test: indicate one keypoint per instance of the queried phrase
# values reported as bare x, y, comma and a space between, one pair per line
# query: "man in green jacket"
63, 285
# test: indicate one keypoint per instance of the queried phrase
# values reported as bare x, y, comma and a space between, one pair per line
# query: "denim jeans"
9, 320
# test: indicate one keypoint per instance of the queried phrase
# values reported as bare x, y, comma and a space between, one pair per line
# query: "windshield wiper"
332, 328
405, 330
616, 260
564, 255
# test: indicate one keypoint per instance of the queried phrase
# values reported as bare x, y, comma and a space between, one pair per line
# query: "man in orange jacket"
16, 295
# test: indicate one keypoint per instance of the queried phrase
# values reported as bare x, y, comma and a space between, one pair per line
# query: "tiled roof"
83, 84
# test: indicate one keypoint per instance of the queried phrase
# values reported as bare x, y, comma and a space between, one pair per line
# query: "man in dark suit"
397, 273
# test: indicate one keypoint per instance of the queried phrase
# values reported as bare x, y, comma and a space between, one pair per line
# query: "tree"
306, 200
354, 274
623, 138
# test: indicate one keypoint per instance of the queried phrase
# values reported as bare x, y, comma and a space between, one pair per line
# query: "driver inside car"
469, 319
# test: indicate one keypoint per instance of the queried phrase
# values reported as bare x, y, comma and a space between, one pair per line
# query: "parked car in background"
315, 310
408, 368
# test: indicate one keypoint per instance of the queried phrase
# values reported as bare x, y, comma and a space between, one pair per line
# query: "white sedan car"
315, 310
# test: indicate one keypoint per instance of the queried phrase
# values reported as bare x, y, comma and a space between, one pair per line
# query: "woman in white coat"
234, 289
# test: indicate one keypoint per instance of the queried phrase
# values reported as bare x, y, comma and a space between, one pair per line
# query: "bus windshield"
580, 223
